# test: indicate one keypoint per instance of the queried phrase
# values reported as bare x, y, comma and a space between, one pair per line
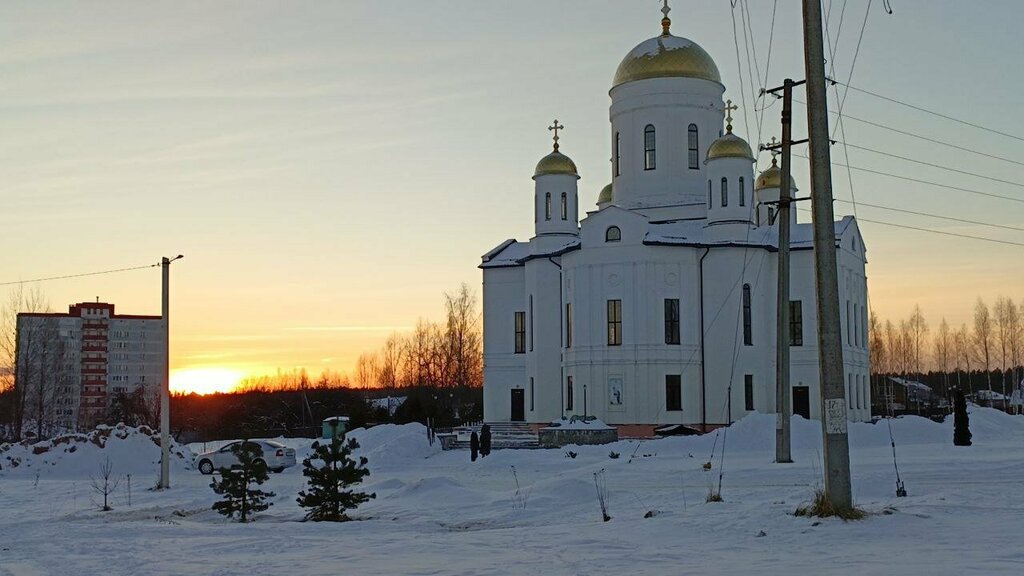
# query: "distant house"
389, 403
902, 395
991, 398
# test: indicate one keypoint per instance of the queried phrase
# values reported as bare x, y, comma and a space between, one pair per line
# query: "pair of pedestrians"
480, 443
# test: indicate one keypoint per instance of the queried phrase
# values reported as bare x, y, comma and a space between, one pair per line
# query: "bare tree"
962, 347
943, 352
1003, 311
982, 339
19, 299
878, 355
391, 361
917, 338
464, 337
366, 370
106, 483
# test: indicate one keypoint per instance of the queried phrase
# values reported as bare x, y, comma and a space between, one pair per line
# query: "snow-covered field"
436, 513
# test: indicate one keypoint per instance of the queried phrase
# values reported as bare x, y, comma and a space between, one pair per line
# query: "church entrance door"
802, 401
518, 405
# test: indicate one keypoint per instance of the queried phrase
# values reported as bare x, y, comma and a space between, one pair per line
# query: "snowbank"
131, 451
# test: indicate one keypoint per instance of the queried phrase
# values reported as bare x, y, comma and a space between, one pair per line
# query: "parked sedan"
276, 455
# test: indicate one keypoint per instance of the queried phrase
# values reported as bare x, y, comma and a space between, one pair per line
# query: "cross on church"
556, 127
728, 114
773, 150
665, 21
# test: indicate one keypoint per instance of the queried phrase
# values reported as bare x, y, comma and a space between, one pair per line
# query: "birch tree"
982, 339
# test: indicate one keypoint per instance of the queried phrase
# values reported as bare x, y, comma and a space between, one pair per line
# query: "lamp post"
165, 391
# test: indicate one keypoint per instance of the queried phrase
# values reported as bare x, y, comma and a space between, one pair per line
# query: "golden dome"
730, 146
666, 56
771, 178
555, 163
606, 195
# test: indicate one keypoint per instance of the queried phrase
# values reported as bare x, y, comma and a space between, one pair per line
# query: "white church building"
658, 307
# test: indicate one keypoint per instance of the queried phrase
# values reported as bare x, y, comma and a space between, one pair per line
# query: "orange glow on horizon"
205, 380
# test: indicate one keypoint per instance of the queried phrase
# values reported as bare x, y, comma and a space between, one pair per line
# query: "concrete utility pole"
782, 336
830, 339
165, 391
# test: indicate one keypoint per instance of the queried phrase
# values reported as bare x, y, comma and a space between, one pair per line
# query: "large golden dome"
666, 56
771, 178
555, 163
606, 195
730, 146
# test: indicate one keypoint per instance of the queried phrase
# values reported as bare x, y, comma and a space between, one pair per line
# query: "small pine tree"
961, 421
237, 485
330, 472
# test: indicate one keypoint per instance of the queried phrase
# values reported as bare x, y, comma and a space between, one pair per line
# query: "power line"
67, 276
933, 165
933, 231
932, 112
950, 218
919, 181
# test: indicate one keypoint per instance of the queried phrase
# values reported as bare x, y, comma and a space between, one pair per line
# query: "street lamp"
165, 392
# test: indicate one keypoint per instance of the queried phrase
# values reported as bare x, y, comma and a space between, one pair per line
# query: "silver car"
276, 455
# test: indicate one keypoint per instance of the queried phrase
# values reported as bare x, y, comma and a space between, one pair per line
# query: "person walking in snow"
485, 440
474, 446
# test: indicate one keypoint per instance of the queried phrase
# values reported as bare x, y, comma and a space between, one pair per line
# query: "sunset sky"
329, 169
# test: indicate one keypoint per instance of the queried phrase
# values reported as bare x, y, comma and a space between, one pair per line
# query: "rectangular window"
691, 144
520, 332
673, 392
748, 392
849, 326
671, 321
617, 155
796, 323
568, 393
748, 332
547, 206
568, 325
649, 151
531, 393
565, 207
725, 192
615, 322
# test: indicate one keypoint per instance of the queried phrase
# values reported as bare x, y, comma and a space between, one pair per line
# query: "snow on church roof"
513, 253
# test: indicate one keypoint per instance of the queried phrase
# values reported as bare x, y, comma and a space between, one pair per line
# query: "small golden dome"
555, 163
606, 195
730, 146
771, 178
666, 56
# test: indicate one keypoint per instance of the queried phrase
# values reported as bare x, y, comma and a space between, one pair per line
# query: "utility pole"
165, 391
783, 453
830, 343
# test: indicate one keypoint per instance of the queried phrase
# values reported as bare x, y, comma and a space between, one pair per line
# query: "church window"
849, 326
618, 155
691, 138
547, 206
673, 392
531, 393
748, 392
520, 333
709, 194
743, 200
649, 148
565, 207
568, 325
615, 322
671, 321
568, 393
796, 323
612, 234
748, 332
725, 192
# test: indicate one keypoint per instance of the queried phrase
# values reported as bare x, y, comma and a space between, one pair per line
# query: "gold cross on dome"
556, 127
728, 114
774, 151
665, 21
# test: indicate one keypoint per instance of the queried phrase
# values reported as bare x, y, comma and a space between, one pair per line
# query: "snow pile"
579, 424
131, 451
393, 444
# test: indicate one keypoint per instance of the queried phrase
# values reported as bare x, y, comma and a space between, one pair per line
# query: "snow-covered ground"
437, 513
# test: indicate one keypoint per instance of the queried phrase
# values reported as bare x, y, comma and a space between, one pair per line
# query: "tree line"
991, 346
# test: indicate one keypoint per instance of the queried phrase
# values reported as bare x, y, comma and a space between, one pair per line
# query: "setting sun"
205, 380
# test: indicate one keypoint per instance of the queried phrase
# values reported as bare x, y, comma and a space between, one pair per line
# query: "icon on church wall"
615, 391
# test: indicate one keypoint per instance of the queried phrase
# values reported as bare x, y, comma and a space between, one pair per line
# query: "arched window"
547, 206
565, 207
618, 156
725, 192
709, 194
748, 332
649, 153
691, 138
612, 234
743, 193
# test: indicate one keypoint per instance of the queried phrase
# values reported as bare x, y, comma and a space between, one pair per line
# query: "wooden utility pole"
830, 343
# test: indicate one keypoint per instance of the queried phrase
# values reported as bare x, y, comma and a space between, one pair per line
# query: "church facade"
659, 306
